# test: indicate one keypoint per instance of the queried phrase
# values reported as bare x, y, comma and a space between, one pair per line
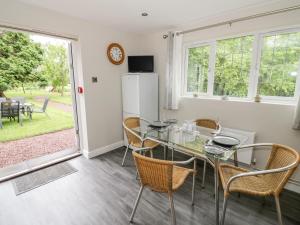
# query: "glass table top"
196, 141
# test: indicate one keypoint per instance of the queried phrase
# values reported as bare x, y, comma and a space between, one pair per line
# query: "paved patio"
13, 152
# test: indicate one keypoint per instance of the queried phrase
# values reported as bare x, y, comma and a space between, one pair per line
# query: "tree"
19, 58
55, 67
279, 65
233, 61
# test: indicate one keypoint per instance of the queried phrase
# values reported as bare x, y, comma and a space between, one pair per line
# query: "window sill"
245, 100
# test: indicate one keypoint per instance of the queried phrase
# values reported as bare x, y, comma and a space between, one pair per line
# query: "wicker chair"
208, 123
134, 140
162, 176
282, 163
211, 124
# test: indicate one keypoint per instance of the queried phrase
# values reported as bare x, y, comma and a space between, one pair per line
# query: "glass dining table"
195, 142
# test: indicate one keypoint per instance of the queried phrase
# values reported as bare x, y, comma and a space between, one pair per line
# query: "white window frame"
186, 61
253, 71
256, 75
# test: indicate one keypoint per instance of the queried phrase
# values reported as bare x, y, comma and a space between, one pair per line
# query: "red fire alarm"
80, 90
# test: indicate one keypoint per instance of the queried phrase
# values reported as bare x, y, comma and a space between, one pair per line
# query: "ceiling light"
144, 14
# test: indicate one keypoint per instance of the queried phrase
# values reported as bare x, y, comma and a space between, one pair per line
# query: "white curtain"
173, 70
296, 125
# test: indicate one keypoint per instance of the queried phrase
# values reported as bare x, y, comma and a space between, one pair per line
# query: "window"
261, 63
279, 65
232, 68
198, 59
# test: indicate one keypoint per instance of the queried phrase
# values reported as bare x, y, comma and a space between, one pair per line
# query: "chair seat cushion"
150, 144
179, 176
147, 143
254, 185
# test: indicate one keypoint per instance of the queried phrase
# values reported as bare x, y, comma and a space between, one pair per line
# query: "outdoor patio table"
26, 107
192, 143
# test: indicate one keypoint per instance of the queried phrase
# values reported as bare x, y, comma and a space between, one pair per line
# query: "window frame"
186, 61
253, 71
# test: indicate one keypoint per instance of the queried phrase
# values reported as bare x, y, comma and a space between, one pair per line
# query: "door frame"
74, 77
74, 95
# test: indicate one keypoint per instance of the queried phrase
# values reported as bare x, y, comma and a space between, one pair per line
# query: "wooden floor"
102, 193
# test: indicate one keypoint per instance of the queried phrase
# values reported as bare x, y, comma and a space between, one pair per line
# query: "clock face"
115, 53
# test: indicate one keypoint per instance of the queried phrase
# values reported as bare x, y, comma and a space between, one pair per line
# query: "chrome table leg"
216, 162
224, 210
194, 181
203, 174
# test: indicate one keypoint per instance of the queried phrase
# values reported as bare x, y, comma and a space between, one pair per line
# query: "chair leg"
264, 201
194, 181
124, 157
165, 153
173, 217
20, 120
203, 174
151, 153
224, 210
136, 203
278, 210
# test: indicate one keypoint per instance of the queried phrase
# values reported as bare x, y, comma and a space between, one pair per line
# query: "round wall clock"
115, 53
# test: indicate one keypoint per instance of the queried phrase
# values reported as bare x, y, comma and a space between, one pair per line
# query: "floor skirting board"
102, 150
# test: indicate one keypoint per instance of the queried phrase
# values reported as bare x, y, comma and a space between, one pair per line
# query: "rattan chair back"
154, 173
281, 156
207, 123
128, 124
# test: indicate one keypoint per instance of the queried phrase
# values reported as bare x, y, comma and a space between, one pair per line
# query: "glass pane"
233, 59
279, 65
197, 73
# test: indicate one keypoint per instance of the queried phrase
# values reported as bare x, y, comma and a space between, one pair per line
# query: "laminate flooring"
103, 193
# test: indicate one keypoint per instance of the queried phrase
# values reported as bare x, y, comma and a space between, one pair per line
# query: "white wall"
271, 122
101, 104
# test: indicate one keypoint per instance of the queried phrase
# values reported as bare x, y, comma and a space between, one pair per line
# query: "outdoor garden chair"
282, 163
162, 176
10, 110
22, 100
40, 110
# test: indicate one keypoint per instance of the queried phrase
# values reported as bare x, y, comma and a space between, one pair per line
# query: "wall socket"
94, 79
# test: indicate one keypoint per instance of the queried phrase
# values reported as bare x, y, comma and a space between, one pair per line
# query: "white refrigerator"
140, 95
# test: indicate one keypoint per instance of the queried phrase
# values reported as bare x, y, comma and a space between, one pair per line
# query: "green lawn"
40, 124
32, 94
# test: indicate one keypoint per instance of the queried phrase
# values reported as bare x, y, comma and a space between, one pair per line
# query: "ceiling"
163, 14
